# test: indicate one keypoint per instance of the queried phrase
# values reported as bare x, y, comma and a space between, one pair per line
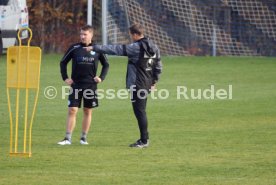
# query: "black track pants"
139, 107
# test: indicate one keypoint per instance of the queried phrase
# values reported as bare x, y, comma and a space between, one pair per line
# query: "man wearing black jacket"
83, 82
143, 71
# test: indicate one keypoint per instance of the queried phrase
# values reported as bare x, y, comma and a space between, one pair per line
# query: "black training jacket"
84, 64
144, 63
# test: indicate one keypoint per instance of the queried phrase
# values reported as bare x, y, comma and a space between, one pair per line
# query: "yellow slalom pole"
11, 123
26, 120
31, 124
34, 108
27, 90
16, 121
26, 97
27, 93
17, 104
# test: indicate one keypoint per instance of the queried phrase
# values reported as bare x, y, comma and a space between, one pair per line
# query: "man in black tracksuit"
143, 71
83, 82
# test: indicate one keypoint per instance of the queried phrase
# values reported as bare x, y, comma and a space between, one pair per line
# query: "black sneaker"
139, 144
65, 141
83, 141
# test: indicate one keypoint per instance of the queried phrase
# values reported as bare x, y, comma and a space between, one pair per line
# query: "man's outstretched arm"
119, 50
129, 50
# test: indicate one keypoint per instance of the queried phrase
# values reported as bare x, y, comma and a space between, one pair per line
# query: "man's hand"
98, 79
153, 87
89, 48
69, 81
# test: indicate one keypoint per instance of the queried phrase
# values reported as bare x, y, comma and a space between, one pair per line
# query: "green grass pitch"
223, 142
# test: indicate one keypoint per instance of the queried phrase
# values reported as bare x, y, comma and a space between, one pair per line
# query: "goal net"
198, 27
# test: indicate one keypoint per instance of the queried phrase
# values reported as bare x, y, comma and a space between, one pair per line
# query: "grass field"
198, 142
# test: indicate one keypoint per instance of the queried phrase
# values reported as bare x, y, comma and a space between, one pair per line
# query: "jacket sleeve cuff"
64, 77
